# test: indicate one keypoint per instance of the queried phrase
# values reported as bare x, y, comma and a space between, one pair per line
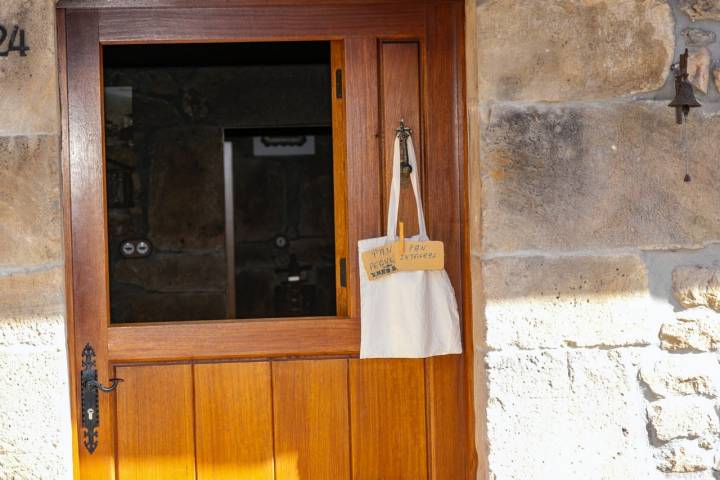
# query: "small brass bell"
684, 93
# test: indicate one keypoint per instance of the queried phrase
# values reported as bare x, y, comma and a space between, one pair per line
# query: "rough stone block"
25, 466
707, 443
682, 417
525, 440
541, 375
31, 228
697, 286
609, 435
697, 37
684, 458
32, 294
34, 332
29, 84
682, 375
540, 302
699, 69
597, 176
557, 50
701, 9
545, 419
695, 330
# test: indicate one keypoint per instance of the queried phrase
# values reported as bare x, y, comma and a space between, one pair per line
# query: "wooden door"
281, 398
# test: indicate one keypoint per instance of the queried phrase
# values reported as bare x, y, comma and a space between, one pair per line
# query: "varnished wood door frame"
438, 25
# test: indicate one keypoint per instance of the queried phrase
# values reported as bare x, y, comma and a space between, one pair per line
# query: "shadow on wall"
589, 301
660, 266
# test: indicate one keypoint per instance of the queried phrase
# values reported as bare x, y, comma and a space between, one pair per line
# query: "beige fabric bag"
406, 314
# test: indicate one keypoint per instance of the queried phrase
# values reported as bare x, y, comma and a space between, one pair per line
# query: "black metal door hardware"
338, 84
405, 167
684, 92
89, 387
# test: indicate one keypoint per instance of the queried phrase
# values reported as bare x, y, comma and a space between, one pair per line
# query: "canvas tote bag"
408, 314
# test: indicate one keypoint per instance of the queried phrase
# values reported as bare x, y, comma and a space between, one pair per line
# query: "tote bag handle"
394, 203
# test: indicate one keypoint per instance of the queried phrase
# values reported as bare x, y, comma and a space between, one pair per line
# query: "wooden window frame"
124, 22
252, 337
121, 22
230, 338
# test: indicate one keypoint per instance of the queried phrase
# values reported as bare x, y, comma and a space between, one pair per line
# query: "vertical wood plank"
155, 415
84, 170
447, 410
340, 186
233, 412
387, 411
400, 99
449, 379
445, 126
363, 152
312, 437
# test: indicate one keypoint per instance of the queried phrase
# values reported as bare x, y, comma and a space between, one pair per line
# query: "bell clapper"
685, 150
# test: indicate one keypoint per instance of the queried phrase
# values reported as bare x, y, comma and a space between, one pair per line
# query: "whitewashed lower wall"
584, 379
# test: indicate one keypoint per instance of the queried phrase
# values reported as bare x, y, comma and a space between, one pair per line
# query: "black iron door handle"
89, 387
114, 382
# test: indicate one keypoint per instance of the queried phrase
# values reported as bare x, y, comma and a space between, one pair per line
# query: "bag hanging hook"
403, 134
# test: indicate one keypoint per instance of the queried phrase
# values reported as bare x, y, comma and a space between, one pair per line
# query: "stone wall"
35, 436
596, 269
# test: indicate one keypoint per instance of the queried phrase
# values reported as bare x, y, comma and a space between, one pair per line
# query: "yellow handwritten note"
418, 255
379, 262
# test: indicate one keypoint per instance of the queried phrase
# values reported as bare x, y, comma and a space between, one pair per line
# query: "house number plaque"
12, 42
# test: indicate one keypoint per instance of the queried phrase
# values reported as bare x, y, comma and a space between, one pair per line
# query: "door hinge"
343, 272
338, 83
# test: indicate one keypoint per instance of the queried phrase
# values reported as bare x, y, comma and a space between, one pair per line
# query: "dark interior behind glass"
219, 181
